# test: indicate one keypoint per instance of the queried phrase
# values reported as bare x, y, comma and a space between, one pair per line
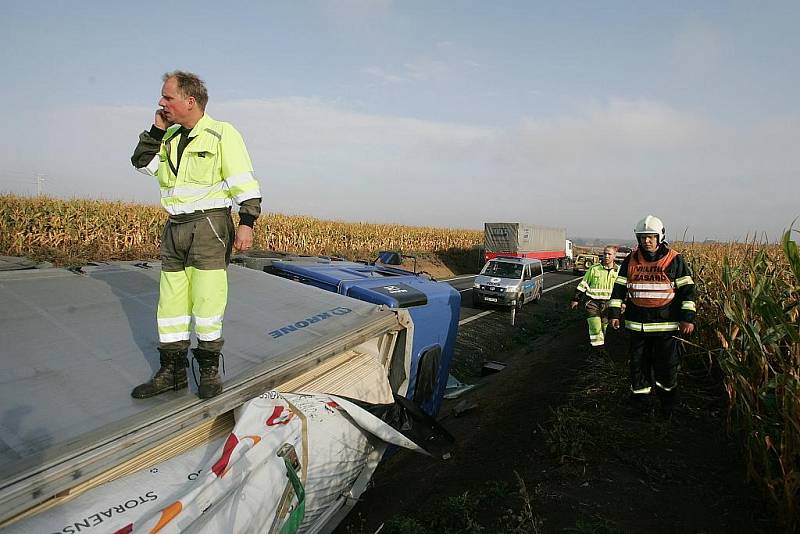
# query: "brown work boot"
171, 375
210, 384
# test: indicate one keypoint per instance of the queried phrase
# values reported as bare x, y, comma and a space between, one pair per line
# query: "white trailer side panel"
522, 237
75, 344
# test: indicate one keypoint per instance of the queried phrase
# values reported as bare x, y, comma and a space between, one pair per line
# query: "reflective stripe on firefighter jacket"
658, 292
598, 282
648, 283
214, 172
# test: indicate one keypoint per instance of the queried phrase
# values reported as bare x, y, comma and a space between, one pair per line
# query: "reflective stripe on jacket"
598, 282
215, 169
649, 286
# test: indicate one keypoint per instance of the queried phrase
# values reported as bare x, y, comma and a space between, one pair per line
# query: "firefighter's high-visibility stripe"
652, 327
688, 305
651, 295
615, 303
641, 391
683, 280
621, 280
665, 388
656, 287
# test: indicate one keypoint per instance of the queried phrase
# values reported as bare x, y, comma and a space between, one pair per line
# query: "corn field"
69, 232
748, 310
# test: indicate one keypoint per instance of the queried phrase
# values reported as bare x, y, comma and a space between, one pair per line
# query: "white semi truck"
522, 240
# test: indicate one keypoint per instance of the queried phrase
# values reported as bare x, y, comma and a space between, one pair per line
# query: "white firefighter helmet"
651, 225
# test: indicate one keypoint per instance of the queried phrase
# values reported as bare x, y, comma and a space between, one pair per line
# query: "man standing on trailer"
596, 288
656, 284
203, 168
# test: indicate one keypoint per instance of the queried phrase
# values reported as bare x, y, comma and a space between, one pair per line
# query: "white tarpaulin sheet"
289, 463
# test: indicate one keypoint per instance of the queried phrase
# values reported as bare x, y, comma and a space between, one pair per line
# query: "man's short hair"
189, 84
612, 247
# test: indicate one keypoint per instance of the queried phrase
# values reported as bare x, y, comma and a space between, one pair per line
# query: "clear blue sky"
587, 115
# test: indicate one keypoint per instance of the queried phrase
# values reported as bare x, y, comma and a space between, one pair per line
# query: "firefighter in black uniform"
656, 285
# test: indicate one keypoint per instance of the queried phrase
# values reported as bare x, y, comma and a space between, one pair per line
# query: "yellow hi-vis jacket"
215, 169
598, 282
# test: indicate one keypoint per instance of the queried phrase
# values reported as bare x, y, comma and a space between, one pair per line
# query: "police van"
508, 281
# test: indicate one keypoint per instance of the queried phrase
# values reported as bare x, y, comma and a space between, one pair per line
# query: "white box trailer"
522, 240
74, 344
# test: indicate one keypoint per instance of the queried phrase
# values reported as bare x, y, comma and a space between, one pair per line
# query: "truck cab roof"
434, 308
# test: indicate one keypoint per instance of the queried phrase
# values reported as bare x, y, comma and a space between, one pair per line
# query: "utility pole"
39, 184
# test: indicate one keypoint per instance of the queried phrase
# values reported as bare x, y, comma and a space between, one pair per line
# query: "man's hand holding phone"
161, 122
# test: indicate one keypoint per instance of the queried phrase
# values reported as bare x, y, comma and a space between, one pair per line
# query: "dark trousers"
653, 361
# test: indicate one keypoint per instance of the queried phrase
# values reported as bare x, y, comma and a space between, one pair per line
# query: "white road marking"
487, 312
562, 284
476, 316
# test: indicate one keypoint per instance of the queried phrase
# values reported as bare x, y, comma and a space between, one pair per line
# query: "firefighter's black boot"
171, 375
668, 400
210, 384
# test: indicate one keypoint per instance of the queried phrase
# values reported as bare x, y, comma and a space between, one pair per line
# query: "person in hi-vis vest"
203, 169
656, 285
595, 288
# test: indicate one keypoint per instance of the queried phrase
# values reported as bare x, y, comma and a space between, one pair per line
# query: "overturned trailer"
307, 371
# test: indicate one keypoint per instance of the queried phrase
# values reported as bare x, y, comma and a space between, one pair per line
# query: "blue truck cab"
433, 307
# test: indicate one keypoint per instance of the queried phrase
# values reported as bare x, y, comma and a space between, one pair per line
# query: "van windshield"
502, 269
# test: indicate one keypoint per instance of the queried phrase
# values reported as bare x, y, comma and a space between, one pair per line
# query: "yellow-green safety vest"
215, 169
598, 282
